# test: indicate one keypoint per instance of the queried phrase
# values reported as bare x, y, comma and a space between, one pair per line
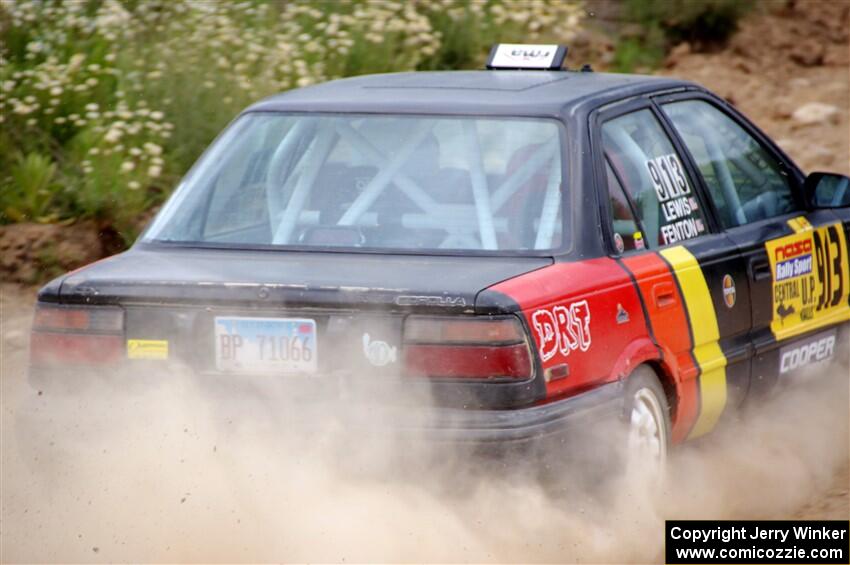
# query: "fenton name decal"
562, 328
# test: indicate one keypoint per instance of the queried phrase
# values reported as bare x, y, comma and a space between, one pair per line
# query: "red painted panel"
666, 309
573, 311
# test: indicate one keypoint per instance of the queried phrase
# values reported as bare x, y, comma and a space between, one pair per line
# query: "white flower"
56, 91
127, 166
153, 148
75, 61
154, 171
133, 185
113, 135
92, 107
157, 115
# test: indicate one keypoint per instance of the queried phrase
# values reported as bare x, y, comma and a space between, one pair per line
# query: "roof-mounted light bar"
512, 56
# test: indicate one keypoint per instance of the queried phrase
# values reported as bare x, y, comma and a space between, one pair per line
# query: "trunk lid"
363, 282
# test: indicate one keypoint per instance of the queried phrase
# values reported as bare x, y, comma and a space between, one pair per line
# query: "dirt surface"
167, 474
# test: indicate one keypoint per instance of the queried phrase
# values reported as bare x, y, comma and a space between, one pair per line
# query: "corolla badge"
379, 353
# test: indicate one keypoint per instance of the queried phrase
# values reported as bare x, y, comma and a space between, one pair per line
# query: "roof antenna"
586, 68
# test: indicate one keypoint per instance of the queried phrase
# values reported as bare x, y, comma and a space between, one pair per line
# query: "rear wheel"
647, 416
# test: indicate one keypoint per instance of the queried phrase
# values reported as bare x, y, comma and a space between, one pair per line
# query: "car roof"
497, 92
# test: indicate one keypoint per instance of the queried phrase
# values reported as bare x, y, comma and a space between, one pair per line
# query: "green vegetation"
105, 104
660, 24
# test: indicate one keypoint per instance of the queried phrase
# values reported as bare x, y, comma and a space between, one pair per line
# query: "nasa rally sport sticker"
730, 295
811, 278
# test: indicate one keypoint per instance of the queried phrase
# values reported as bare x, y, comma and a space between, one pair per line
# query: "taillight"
467, 348
76, 335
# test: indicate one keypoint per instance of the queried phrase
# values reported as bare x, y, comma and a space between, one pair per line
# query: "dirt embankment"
788, 70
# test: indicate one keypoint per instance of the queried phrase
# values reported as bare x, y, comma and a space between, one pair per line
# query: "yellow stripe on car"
706, 334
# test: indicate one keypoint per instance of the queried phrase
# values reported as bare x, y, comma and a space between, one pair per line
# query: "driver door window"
745, 181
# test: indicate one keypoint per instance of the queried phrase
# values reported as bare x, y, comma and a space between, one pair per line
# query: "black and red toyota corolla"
537, 246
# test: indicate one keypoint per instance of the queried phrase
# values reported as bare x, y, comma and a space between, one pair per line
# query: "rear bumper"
520, 425
365, 414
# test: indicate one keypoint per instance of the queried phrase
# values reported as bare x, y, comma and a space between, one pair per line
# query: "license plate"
265, 345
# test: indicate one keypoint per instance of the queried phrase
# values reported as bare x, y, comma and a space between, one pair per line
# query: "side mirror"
827, 190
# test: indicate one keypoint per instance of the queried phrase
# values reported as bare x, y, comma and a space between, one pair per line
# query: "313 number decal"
829, 252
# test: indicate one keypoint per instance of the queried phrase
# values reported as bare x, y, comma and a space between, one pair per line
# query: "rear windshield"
374, 182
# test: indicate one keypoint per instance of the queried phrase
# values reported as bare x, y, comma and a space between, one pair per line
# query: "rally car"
536, 246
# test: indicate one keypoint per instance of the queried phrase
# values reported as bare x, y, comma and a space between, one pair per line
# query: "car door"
796, 262
692, 278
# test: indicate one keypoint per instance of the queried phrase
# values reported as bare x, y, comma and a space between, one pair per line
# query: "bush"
105, 104
705, 24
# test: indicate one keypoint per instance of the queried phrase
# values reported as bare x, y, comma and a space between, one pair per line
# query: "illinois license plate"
265, 345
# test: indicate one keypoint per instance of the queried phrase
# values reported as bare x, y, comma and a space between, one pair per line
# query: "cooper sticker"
562, 328
816, 349
680, 217
810, 276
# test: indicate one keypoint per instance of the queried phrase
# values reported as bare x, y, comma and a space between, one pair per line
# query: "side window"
627, 232
745, 181
651, 172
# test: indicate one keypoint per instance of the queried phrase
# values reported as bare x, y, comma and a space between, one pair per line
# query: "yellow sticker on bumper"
147, 349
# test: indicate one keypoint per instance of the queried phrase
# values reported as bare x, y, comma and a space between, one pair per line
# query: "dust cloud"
166, 467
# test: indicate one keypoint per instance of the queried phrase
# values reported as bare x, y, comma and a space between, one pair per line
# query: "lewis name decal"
680, 210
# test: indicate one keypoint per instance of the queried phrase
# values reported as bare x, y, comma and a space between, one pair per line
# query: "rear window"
374, 182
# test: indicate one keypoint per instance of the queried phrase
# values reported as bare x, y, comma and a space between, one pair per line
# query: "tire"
646, 414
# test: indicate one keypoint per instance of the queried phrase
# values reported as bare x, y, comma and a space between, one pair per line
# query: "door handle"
760, 270
663, 295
